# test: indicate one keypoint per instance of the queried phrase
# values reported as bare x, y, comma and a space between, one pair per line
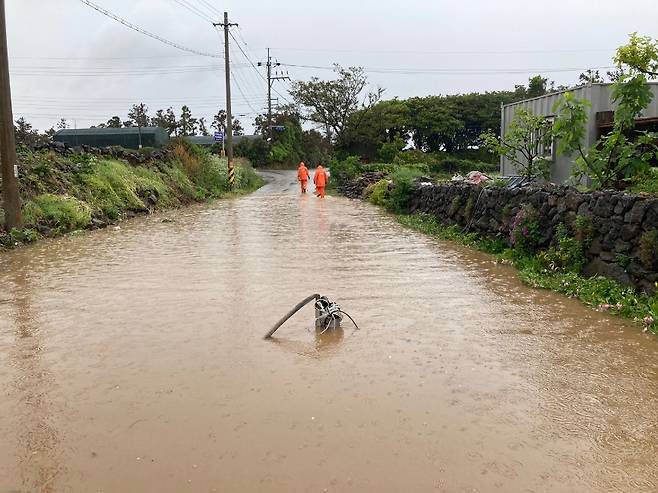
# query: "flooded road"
132, 360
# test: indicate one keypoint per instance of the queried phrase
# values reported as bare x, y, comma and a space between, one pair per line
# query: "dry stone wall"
624, 243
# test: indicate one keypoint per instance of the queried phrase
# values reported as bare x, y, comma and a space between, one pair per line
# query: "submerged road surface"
132, 360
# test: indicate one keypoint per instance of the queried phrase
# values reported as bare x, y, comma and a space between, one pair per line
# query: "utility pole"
270, 81
228, 137
10, 197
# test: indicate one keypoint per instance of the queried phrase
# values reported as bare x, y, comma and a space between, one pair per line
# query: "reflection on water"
35, 437
133, 360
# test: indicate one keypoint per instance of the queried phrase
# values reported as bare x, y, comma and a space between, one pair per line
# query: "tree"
186, 124
219, 123
48, 135
433, 123
202, 127
525, 143
24, 132
590, 77
537, 86
640, 55
114, 122
316, 148
368, 129
237, 127
332, 103
62, 124
165, 119
138, 116
625, 151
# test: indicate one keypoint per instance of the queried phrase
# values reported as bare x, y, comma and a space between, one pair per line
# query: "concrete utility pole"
229, 118
11, 199
270, 81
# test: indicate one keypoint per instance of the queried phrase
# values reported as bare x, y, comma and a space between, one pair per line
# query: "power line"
212, 9
449, 71
192, 9
450, 52
256, 68
138, 29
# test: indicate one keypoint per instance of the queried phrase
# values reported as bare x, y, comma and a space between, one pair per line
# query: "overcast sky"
67, 60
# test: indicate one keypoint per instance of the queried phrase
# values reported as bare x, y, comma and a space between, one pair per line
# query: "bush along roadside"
65, 192
557, 262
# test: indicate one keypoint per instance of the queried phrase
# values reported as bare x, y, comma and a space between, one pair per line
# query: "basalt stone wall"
623, 224
133, 157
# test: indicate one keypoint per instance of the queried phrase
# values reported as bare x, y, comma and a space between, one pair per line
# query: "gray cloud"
68, 60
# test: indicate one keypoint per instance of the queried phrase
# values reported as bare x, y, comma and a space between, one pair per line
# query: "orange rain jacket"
320, 179
302, 173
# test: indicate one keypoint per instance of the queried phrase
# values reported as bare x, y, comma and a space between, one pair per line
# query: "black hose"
298, 307
349, 316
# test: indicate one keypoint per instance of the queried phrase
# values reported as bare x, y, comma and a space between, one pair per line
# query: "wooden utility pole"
229, 117
10, 197
270, 81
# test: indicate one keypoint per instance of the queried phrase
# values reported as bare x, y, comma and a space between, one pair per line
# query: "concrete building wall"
598, 95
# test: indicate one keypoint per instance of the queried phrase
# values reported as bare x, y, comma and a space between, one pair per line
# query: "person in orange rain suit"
303, 175
320, 179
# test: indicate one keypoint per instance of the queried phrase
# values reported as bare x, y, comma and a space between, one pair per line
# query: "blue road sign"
219, 136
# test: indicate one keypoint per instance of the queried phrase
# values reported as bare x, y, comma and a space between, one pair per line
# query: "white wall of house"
598, 95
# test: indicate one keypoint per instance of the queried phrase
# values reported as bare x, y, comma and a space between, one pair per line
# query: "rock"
629, 232
584, 210
636, 214
573, 201
97, 223
622, 246
44, 230
610, 270
603, 207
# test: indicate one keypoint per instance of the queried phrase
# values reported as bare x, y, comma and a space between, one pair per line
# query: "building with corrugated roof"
129, 137
600, 121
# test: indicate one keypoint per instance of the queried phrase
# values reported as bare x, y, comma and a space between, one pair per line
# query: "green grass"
59, 212
597, 292
64, 194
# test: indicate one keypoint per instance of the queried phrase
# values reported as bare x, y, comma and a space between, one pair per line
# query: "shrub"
377, 193
584, 230
567, 253
411, 156
257, 151
388, 151
524, 230
345, 170
646, 182
403, 184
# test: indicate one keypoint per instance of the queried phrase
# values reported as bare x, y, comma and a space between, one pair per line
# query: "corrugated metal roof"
111, 131
570, 89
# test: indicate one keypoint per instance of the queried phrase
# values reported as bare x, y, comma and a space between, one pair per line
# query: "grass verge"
68, 193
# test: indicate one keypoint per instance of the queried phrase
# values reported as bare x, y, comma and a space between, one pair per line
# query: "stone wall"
619, 221
133, 157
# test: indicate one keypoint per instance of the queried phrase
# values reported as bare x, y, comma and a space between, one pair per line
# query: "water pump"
328, 315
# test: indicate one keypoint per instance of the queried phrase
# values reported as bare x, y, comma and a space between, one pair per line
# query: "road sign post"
219, 137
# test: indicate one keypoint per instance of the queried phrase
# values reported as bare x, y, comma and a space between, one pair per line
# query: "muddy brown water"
132, 360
